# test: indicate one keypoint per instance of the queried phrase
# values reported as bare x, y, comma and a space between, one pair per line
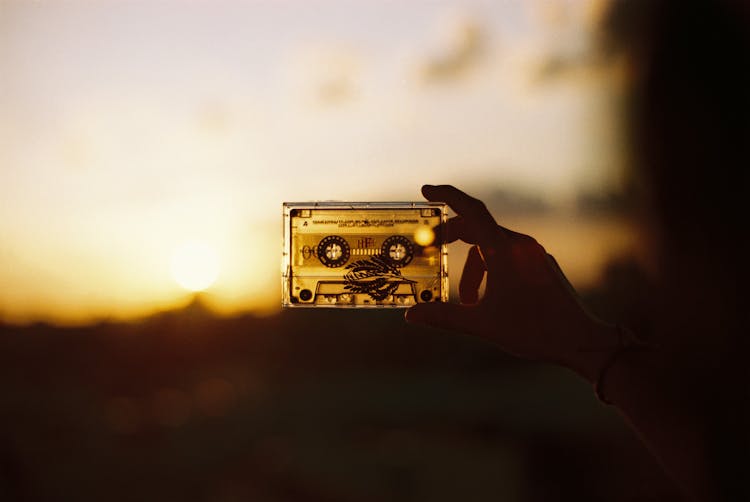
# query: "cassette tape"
363, 254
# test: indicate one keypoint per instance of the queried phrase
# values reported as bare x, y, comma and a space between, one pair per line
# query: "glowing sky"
129, 128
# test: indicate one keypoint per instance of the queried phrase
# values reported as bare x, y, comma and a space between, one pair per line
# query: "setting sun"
195, 265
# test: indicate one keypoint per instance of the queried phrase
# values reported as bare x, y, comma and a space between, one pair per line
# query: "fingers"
447, 316
471, 277
452, 230
458, 228
472, 210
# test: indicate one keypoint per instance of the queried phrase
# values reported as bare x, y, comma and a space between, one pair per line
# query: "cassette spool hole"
398, 250
333, 251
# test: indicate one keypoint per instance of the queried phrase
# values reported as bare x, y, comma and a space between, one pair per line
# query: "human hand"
528, 308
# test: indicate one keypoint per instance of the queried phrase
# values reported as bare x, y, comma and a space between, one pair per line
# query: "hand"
528, 308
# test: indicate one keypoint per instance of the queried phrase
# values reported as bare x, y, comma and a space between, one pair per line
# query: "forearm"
656, 398
659, 409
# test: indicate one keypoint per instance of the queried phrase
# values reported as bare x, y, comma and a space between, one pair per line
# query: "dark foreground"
305, 406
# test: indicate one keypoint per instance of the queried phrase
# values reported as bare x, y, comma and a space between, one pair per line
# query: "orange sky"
129, 128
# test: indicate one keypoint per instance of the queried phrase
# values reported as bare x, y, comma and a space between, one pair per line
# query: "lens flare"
424, 236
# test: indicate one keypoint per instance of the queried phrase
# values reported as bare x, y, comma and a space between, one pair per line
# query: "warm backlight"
424, 236
195, 265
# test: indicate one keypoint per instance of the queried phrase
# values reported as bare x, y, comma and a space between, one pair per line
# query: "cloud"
464, 50
327, 74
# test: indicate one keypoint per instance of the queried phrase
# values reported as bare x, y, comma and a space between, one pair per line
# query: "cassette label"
363, 254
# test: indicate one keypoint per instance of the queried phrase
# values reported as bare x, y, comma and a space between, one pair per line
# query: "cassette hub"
333, 251
398, 250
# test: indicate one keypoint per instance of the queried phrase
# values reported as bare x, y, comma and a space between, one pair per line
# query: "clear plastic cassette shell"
363, 254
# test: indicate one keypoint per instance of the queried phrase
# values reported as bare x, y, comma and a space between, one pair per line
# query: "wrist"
597, 345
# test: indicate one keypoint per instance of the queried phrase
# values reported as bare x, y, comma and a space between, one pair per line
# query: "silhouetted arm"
530, 310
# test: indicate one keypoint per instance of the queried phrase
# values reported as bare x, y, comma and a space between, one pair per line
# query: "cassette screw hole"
426, 295
306, 295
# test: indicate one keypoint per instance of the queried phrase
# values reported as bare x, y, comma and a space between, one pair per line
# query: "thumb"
448, 316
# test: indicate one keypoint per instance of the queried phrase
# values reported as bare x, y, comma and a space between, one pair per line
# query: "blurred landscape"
312, 405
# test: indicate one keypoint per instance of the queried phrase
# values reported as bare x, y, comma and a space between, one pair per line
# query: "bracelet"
626, 342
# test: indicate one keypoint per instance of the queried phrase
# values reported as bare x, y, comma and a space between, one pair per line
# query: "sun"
195, 265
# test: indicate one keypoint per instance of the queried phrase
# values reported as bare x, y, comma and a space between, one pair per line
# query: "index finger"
471, 209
